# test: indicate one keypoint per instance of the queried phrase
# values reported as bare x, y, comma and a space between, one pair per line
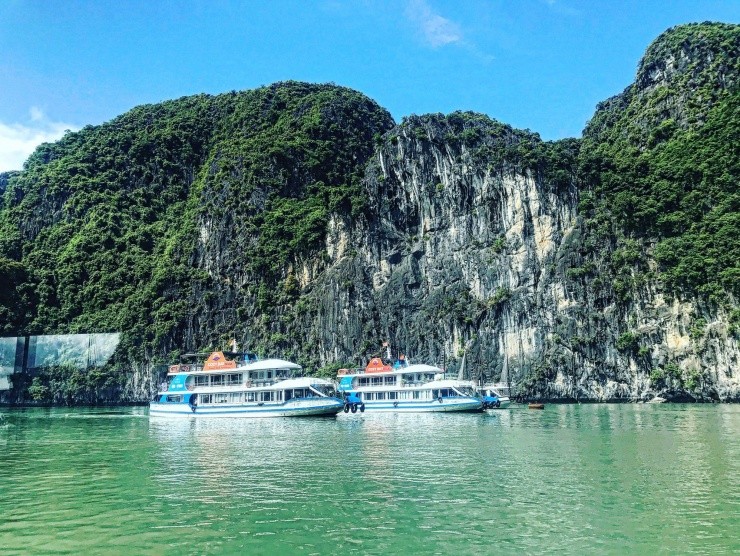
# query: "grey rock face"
472, 244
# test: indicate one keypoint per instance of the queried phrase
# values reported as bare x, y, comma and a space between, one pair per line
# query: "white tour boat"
241, 385
404, 388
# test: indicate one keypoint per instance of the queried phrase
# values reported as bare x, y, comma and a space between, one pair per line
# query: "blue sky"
537, 64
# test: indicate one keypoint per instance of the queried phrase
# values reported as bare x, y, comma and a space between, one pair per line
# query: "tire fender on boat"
354, 408
395, 404
346, 408
439, 399
362, 408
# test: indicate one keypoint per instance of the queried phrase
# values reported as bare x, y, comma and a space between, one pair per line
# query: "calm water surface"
574, 479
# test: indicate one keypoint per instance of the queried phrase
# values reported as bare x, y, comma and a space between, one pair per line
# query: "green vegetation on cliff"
660, 163
112, 227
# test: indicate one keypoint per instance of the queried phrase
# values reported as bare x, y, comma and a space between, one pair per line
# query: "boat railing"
181, 368
354, 371
236, 385
402, 384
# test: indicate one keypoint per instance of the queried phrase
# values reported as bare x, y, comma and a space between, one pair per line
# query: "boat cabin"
228, 369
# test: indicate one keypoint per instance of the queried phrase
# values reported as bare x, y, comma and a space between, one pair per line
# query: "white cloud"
19, 140
37, 115
436, 30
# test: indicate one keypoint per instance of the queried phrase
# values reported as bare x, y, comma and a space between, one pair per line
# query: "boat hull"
447, 405
321, 406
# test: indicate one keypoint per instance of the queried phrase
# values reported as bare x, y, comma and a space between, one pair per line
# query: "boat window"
261, 375
220, 398
325, 390
251, 396
377, 381
267, 396
201, 380
174, 399
217, 380
380, 395
235, 397
392, 395
269, 374
417, 394
234, 379
206, 398
390, 380
465, 390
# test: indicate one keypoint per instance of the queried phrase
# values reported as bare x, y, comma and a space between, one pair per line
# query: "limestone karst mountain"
302, 221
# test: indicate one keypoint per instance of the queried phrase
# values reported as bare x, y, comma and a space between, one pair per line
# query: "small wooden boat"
536, 406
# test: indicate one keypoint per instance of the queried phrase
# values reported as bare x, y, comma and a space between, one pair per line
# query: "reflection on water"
591, 478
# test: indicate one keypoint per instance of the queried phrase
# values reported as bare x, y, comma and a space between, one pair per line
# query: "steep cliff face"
460, 252
660, 200
476, 247
301, 221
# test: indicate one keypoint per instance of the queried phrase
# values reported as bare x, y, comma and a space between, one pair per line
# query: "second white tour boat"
403, 388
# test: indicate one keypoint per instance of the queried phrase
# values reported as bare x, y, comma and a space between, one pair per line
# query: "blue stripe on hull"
420, 406
236, 411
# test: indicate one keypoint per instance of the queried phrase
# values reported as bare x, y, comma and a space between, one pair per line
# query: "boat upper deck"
377, 368
217, 363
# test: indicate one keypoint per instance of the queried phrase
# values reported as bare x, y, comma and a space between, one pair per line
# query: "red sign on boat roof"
376, 365
217, 360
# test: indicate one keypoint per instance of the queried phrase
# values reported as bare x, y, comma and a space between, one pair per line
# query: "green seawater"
577, 479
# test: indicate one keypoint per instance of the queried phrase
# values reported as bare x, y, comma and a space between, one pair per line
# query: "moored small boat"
240, 385
492, 397
536, 406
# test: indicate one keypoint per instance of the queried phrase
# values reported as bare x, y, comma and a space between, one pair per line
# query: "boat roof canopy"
268, 364
232, 354
420, 368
